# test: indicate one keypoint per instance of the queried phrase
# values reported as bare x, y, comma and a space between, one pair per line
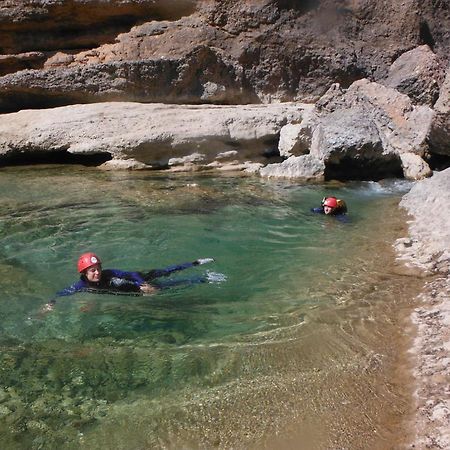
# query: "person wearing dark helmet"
95, 279
332, 206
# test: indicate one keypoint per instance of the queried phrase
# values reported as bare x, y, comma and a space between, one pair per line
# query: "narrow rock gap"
352, 169
52, 157
438, 162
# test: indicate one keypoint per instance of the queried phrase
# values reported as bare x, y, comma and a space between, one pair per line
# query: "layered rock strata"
55, 52
151, 136
368, 131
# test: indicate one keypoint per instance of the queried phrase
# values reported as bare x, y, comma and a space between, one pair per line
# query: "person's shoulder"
342, 218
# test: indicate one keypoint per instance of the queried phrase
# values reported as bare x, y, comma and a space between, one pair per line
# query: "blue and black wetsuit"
119, 281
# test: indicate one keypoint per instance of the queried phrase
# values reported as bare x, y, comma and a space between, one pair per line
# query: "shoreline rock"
428, 248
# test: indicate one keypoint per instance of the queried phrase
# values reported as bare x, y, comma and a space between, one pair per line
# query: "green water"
271, 349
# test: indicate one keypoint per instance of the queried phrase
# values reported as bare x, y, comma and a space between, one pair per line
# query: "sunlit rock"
416, 73
306, 167
414, 167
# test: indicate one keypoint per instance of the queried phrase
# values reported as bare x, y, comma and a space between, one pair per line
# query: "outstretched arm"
72, 289
156, 273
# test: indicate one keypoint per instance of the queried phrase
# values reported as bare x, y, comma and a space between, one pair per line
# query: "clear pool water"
301, 332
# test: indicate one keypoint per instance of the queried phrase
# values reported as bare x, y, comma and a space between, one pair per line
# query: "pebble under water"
295, 342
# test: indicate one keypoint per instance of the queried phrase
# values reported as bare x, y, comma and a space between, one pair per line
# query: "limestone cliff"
60, 52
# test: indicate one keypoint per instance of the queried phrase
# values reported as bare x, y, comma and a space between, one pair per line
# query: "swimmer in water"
331, 206
95, 279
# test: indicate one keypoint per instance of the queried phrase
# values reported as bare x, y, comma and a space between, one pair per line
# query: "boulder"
349, 142
439, 134
402, 126
362, 132
414, 167
418, 74
159, 136
305, 167
368, 131
429, 243
296, 138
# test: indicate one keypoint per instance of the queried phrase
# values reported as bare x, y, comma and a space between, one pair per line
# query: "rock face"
439, 135
55, 52
427, 247
416, 73
368, 131
378, 72
52, 25
152, 136
429, 242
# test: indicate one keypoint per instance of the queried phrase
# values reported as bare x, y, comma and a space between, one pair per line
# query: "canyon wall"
55, 52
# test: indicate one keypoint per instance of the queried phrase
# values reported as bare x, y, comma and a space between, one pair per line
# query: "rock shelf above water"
368, 131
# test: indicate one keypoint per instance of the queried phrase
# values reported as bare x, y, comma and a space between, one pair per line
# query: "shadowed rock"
368, 131
439, 135
82, 51
418, 74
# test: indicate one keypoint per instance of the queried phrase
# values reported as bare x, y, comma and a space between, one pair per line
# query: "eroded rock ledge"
368, 131
152, 136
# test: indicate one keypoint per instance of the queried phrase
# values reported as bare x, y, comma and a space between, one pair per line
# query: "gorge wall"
57, 53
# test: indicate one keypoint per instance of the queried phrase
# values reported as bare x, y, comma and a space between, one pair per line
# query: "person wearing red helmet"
95, 279
332, 206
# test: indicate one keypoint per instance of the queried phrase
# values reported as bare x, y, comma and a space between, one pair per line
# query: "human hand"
147, 288
201, 261
47, 308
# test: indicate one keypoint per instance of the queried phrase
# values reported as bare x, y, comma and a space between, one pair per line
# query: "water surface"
297, 348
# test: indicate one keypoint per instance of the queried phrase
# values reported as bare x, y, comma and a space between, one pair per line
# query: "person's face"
94, 273
328, 209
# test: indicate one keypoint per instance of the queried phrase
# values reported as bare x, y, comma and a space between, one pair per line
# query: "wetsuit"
342, 217
119, 281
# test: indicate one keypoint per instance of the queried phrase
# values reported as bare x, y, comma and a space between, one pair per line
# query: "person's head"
329, 205
90, 266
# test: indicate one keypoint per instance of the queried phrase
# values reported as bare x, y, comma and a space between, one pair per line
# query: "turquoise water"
190, 366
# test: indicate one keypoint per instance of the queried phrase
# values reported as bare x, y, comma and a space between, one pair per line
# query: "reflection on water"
299, 344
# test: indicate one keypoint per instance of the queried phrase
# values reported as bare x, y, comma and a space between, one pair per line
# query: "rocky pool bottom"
302, 346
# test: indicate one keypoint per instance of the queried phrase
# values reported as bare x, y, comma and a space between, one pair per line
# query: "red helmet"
87, 260
330, 201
